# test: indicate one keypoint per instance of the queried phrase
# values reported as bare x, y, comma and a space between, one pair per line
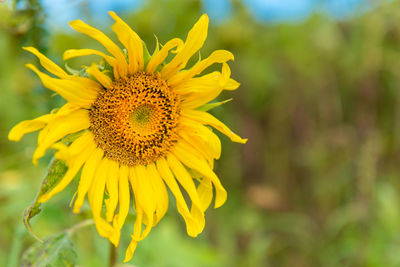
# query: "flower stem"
112, 260
85, 223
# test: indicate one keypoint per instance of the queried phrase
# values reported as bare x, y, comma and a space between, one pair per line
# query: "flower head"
140, 129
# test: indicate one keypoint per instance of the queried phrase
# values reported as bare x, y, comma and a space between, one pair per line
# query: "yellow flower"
140, 125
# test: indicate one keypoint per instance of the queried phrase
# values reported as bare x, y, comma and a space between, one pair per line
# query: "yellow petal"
230, 84
112, 189
110, 46
124, 201
28, 126
201, 137
95, 196
49, 65
196, 100
194, 41
87, 177
205, 192
169, 179
198, 91
74, 122
74, 166
161, 55
184, 178
140, 198
160, 192
199, 145
208, 119
98, 75
146, 199
86, 83
187, 155
69, 153
72, 53
70, 90
131, 41
75, 148
206, 82
124, 197
137, 228
218, 56
132, 182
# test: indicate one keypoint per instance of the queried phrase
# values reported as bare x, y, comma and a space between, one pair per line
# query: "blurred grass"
316, 185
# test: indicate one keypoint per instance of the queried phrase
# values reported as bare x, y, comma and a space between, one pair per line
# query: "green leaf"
55, 172
56, 251
212, 105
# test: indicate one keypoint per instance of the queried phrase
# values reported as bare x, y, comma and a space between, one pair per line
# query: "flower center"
134, 121
143, 118
142, 115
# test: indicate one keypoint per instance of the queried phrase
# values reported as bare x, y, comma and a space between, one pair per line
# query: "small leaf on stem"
55, 172
55, 251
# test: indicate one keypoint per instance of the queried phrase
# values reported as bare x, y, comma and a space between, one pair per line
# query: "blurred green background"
318, 182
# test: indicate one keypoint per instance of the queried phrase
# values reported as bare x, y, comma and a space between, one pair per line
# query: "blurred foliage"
56, 251
318, 182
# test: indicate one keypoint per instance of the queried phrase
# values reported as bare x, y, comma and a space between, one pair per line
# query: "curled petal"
112, 190
28, 126
205, 192
160, 192
72, 53
86, 146
201, 137
185, 179
230, 84
167, 176
87, 177
194, 41
70, 90
198, 85
124, 197
145, 197
100, 76
96, 195
74, 122
120, 69
161, 55
218, 56
131, 41
208, 119
137, 229
188, 156
49, 65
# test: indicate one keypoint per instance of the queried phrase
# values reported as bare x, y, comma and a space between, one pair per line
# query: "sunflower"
142, 127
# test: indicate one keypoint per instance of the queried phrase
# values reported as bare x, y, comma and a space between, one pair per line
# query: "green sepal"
72, 137
146, 54
75, 72
212, 105
106, 68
